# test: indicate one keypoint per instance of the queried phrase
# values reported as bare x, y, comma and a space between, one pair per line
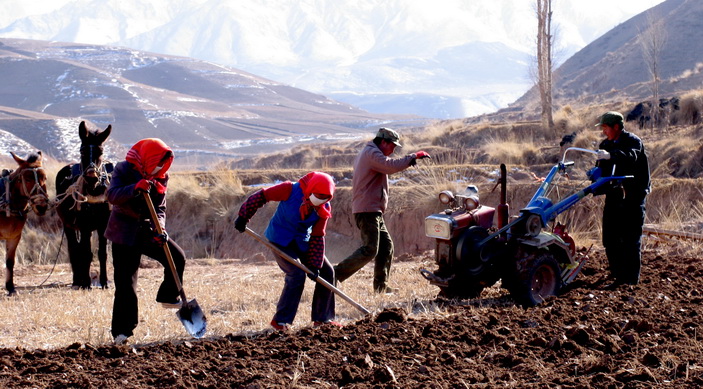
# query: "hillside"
613, 67
197, 107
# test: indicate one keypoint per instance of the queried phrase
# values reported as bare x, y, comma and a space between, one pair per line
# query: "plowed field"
640, 336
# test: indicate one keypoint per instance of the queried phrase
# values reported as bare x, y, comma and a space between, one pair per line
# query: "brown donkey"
20, 190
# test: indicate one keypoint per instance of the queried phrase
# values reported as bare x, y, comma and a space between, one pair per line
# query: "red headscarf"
149, 153
316, 182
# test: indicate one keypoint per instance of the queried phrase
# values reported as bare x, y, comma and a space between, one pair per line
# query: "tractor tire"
537, 277
468, 253
471, 273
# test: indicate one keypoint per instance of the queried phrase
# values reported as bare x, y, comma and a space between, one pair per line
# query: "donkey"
82, 206
20, 190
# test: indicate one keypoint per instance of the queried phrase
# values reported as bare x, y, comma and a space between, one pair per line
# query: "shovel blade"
193, 319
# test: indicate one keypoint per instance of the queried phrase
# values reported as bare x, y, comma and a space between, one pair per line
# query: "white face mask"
156, 170
317, 202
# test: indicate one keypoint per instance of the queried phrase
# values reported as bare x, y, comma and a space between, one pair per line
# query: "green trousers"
376, 245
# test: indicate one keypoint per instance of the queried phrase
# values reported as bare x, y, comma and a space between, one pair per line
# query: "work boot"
613, 285
120, 340
280, 326
386, 290
327, 322
175, 304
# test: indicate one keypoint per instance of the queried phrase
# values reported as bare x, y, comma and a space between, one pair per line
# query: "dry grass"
568, 121
510, 152
239, 295
691, 111
236, 297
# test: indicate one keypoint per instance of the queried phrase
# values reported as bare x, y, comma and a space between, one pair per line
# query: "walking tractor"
532, 263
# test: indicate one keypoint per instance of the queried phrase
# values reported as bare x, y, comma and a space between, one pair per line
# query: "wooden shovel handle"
169, 258
307, 271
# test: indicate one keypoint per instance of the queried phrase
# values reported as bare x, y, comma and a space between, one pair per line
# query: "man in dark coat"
133, 233
620, 154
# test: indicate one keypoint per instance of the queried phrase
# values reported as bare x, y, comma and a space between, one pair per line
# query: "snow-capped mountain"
199, 108
443, 59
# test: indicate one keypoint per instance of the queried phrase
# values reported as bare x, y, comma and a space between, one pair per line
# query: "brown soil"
634, 337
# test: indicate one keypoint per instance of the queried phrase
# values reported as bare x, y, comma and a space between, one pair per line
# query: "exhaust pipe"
503, 208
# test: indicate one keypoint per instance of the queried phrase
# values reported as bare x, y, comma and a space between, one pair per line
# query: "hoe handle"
169, 257
307, 271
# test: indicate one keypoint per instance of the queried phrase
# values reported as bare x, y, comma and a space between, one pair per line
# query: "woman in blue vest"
298, 229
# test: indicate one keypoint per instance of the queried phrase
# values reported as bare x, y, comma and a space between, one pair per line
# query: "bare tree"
544, 60
652, 40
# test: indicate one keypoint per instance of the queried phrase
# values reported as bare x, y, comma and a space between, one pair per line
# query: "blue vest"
286, 225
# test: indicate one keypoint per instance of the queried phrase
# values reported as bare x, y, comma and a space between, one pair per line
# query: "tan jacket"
370, 181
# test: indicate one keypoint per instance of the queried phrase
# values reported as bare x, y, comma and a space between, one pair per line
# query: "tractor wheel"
470, 271
538, 277
468, 253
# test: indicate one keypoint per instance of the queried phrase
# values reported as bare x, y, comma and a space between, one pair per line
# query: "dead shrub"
677, 157
690, 109
567, 121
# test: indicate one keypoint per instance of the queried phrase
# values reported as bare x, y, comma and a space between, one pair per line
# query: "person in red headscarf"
133, 233
298, 229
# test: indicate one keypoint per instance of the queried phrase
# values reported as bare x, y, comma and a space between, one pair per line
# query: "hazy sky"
576, 22
593, 17
599, 15
307, 49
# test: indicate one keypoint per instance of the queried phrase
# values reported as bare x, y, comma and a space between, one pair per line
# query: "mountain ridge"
378, 53
196, 106
613, 67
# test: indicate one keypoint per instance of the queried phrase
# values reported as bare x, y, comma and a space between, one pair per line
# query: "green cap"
610, 118
389, 135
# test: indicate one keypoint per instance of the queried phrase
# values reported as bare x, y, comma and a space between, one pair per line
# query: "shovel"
190, 314
302, 267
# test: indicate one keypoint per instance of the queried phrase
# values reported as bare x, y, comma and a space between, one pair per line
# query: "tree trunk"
544, 61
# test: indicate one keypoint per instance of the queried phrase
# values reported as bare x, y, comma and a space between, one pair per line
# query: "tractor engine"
532, 260
457, 232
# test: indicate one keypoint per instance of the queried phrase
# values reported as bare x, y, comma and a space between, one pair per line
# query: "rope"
74, 191
6, 203
56, 260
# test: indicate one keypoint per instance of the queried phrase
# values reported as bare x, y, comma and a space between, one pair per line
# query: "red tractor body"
472, 254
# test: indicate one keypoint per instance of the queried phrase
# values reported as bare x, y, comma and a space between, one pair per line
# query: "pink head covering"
149, 153
316, 182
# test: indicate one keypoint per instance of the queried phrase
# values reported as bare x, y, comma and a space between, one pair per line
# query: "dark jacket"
129, 210
628, 155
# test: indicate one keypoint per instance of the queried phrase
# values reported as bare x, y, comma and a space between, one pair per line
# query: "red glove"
160, 239
143, 185
421, 155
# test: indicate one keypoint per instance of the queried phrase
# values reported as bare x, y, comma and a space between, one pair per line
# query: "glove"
143, 185
160, 239
314, 273
602, 154
422, 155
240, 224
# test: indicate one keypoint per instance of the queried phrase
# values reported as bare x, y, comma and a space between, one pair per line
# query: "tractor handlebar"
563, 159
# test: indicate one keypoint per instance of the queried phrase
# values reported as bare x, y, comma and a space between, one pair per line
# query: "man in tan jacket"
369, 201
